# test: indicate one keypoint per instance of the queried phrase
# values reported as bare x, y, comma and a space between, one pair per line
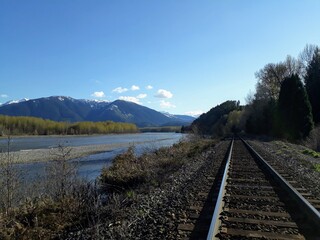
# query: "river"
89, 167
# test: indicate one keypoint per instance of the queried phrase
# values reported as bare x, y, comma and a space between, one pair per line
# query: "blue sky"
177, 56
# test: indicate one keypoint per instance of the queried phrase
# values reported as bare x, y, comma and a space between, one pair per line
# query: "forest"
38, 126
285, 104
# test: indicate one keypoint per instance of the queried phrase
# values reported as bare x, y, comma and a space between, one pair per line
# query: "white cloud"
142, 95
130, 99
149, 87
165, 104
120, 90
4, 95
98, 94
163, 94
135, 88
195, 113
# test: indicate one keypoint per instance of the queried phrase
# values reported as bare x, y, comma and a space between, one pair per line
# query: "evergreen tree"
260, 119
312, 82
294, 109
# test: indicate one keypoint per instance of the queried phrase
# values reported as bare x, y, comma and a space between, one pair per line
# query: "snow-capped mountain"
15, 101
179, 117
61, 108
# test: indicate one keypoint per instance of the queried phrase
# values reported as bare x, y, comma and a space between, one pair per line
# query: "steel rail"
308, 209
215, 222
303, 204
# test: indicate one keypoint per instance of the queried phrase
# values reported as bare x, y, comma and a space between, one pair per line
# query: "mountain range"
61, 108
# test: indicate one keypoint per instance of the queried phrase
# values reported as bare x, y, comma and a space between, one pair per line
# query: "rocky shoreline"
44, 155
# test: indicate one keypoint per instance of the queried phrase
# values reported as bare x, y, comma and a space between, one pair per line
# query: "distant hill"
208, 122
185, 118
60, 108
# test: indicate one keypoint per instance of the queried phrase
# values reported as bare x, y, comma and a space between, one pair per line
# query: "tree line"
38, 126
215, 122
285, 104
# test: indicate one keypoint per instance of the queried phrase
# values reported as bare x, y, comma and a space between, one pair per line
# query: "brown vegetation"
64, 203
313, 140
67, 206
129, 171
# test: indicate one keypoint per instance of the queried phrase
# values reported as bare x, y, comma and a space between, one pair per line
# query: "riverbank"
86, 211
151, 194
44, 155
43, 149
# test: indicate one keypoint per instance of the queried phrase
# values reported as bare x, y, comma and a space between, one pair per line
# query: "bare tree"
269, 80
305, 57
293, 66
250, 97
61, 174
271, 76
10, 179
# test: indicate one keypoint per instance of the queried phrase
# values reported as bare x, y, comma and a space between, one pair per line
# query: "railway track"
255, 202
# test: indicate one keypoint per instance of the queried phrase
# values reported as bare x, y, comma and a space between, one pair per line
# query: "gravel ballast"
291, 159
155, 213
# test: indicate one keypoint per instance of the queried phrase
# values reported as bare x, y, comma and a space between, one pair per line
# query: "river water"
89, 167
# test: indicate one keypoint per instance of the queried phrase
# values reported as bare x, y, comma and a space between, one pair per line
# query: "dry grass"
82, 207
45, 218
65, 203
129, 171
313, 140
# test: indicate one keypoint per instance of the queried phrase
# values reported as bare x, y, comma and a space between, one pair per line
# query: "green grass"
317, 167
311, 153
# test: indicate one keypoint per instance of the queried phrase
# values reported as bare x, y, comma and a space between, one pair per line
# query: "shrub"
126, 171
129, 171
317, 167
313, 140
311, 153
